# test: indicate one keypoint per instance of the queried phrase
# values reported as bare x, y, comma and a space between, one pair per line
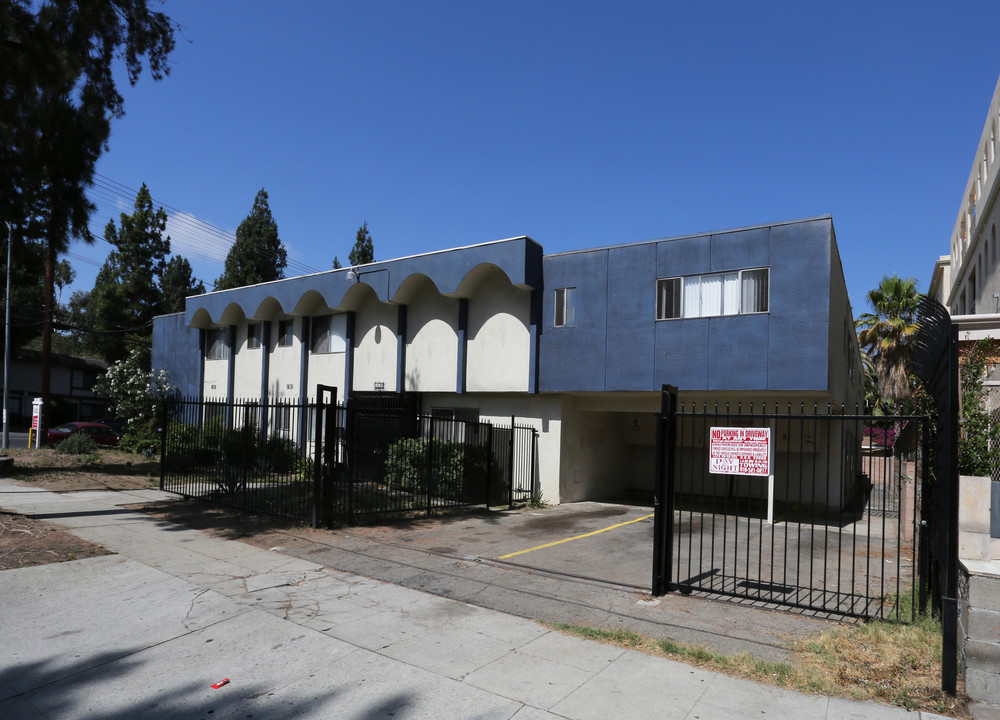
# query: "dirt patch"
25, 542
104, 470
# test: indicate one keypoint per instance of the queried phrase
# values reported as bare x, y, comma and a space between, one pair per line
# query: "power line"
215, 238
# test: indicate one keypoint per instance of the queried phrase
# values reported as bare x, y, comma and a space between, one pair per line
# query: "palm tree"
886, 335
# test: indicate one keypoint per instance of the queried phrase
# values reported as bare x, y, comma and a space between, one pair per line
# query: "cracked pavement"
146, 633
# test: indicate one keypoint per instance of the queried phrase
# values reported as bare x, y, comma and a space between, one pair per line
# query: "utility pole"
50, 264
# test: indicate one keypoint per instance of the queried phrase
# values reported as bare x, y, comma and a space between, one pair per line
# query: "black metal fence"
391, 462
248, 455
320, 463
833, 528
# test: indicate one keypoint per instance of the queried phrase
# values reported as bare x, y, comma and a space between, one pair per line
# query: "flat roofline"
725, 231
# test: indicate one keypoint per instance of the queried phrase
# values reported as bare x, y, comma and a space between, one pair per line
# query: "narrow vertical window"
565, 311
668, 298
754, 290
321, 334
285, 333
253, 336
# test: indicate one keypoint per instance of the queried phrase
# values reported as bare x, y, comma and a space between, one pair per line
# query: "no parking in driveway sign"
740, 451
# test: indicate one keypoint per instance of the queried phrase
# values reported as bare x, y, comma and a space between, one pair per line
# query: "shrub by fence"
263, 458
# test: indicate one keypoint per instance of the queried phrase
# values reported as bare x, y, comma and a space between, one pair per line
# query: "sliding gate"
789, 506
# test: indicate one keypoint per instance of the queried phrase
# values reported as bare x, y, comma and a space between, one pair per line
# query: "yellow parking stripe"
566, 540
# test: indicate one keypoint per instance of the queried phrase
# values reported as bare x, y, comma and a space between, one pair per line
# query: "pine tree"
127, 293
178, 284
258, 254
363, 251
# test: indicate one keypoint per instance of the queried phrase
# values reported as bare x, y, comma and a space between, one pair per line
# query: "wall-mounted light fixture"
354, 275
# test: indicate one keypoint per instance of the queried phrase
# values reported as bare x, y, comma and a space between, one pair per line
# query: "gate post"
510, 459
663, 499
318, 460
489, 464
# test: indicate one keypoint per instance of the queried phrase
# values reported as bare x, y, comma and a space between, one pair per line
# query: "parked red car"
99, 433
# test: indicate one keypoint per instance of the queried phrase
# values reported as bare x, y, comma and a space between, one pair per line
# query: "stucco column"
202, 335
306, 347
265, 369
349, 355
535, 331
231, 364
463, 344
401, 349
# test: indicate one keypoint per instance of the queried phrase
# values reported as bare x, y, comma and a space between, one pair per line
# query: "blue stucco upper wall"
616, 343
518, 258
177, 349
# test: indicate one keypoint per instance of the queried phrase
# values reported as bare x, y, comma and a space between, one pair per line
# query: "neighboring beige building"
967, 281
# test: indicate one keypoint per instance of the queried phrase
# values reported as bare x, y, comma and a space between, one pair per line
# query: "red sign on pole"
740, 451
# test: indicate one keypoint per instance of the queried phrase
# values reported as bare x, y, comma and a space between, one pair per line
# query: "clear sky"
580, 124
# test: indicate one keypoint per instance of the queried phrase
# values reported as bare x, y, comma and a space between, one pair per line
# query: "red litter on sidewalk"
219, 684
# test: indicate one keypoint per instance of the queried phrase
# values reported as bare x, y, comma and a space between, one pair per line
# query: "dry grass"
106, 469
892, 663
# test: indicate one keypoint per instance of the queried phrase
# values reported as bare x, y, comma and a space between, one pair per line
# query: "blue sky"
581, 124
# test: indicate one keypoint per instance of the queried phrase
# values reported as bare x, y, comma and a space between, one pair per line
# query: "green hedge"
444, 469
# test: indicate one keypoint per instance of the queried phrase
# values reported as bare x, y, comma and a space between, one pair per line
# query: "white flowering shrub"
137, 396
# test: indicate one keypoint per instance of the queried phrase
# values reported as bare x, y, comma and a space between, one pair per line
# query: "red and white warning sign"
740, 451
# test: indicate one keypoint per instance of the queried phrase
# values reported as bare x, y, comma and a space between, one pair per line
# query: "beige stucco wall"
542, 412
974, 500
216, 379
247, 366
375, 345
432, 343
499, 337
326, 369
283, 374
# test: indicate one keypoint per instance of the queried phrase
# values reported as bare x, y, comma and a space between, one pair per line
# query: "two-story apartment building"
577, 344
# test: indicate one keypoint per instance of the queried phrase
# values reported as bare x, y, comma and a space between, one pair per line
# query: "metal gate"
935, 362
379, 456
832, 528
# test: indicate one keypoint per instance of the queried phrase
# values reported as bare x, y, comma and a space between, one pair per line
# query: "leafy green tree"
27, 298
363, 251
136, 395
886, 336
58, 95
258, 255
127, 295
979, 439
178, 284
64, 276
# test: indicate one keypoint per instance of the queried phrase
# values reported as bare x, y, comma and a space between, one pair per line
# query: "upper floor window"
285, 333
329, 334
216, 347
565, 311
729, 293
253, 336
82, 379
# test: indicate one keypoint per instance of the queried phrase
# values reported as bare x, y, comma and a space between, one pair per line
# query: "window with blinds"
738, 292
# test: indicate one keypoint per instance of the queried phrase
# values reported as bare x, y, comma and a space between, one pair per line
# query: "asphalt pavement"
179, 624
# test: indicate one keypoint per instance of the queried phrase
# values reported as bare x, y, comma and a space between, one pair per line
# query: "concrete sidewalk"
146, 632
